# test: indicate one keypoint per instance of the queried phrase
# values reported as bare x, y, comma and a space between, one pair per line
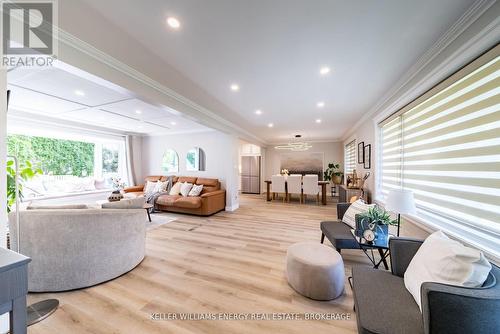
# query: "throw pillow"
161, 186
443, 260
133, 203
357, 207
186, 188
176, 189
150, 187
196, 190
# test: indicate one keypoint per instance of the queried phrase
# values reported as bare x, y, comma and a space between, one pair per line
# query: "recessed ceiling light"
270, 125
324, 70
320, 104
173, 123
258, 112
235, 87
318, 120
173, 22
79, 92
138, 112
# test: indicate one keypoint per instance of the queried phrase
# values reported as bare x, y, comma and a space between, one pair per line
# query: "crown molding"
386, 107
86, 48
314, 141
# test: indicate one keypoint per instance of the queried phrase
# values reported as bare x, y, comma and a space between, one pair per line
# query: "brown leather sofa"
211, 200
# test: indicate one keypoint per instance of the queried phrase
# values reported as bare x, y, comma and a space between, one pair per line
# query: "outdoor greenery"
26, 172
54, 156
109, 160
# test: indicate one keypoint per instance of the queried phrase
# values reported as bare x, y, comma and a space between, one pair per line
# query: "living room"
234, 166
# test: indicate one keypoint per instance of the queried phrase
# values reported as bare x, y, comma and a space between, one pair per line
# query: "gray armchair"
383, 305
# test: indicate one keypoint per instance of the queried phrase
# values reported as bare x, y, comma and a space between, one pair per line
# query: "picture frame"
361, 152
367, 156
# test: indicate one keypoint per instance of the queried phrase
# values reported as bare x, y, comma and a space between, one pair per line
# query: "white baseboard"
232, 207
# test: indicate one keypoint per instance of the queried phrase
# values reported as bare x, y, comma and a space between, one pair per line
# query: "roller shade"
350, 157
445, 147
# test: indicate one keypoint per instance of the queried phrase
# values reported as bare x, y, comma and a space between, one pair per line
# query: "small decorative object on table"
118, 186
374, 223
284, 172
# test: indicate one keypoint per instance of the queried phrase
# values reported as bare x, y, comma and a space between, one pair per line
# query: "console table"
345, 194
14, 288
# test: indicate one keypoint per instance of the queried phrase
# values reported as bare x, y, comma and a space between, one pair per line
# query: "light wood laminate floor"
227, 263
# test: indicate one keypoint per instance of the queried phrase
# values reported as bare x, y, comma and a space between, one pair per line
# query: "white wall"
332, 152
4, 319
222, 158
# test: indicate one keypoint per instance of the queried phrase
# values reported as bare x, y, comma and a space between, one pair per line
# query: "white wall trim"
233, 207
391, 102
104, 58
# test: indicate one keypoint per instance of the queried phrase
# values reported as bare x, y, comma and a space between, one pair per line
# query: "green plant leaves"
379, 215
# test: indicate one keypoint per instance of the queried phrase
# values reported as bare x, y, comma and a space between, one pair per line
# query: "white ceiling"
57, 93
274, 49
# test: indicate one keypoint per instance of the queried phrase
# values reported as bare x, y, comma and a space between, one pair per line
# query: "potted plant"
377, 220
26, 172
333, 173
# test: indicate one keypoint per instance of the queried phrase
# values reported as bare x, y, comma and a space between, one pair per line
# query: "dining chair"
278, 186
310, 186
294, 184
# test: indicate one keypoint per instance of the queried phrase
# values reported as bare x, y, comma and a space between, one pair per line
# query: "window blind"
350, 157
445, 147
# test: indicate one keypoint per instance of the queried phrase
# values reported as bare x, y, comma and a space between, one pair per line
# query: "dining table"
322, 184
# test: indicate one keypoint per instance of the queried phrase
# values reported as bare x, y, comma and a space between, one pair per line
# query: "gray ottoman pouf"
315, 270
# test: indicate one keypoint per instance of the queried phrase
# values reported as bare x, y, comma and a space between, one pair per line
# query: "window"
170, 162
445, 147
350, 157
68, 166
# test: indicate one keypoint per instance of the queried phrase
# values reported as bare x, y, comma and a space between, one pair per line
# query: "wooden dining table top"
319, 182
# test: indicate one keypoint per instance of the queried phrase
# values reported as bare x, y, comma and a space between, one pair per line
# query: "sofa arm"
341, 210
454, 309
133, 189
213, 193
402, 251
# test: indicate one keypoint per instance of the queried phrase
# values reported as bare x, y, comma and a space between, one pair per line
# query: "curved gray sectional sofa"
77, 248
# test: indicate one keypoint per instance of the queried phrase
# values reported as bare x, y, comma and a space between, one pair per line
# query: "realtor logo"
28, 37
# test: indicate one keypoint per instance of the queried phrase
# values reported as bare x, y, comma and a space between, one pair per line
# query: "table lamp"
401, 201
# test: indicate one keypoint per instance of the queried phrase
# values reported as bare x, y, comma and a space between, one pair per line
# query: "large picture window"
68, 166
445, 147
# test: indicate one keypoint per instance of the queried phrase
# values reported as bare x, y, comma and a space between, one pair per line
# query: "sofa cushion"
132, 203
196, 190
133, 194
383, 305
209, 185
186, 188
57, 207
153, 178
167, 200
188, 202
176, 189
188, 179
443, 260
339, 234
355, 208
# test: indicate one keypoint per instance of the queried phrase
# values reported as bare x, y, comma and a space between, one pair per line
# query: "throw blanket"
152, 197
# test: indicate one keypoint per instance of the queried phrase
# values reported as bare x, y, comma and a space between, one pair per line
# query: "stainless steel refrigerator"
250, 175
